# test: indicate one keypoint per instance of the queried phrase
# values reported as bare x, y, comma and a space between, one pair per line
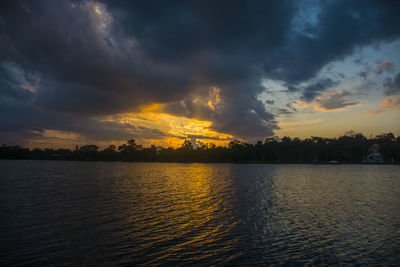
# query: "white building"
373, 155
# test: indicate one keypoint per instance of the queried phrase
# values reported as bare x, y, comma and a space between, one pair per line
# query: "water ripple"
94, 213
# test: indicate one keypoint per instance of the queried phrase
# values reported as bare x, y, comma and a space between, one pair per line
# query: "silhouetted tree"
346, 149
129, 151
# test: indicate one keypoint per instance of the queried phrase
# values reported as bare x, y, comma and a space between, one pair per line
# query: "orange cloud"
386, 65
176, 128
148, 127
392, 102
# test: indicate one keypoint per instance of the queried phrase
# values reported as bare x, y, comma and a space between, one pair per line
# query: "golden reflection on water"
181, 209
80, 213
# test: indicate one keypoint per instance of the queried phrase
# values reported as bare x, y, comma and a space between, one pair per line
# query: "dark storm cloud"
131, 54
65, 63
242, 115
341, 26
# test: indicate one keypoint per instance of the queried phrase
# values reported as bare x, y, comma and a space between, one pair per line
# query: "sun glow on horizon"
148, 127
176, 128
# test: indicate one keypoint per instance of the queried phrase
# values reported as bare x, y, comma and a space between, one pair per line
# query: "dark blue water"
95, 213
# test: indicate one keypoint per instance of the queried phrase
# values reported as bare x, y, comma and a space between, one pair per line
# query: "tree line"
344, 149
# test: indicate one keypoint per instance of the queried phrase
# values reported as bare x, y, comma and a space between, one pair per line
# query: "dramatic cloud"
333, 31
334, 101
67, 65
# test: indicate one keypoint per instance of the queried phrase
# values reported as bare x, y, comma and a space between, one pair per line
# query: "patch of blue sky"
368, 90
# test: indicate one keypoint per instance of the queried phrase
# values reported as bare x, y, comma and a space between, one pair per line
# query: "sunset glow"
103, 72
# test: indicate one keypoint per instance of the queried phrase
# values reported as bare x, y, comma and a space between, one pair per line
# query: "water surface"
96, 213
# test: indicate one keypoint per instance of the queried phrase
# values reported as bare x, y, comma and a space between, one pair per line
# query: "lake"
99, 213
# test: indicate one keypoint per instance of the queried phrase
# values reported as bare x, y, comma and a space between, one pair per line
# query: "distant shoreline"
348, 149
210, 162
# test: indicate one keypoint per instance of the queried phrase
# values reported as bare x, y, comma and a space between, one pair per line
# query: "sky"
160, 72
